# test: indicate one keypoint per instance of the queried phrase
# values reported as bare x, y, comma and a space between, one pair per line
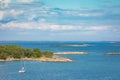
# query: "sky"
60, 20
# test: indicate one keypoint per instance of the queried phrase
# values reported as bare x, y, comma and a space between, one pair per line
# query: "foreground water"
95, 65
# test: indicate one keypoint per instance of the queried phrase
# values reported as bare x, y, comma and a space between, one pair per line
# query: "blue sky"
60, 20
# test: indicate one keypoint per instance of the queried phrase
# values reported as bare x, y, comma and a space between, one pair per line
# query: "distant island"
14, 52
71, 53
113, 53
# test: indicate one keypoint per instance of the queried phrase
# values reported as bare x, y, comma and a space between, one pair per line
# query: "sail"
22, 70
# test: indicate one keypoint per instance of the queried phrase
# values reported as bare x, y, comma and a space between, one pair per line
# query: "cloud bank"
42, 25
45, 16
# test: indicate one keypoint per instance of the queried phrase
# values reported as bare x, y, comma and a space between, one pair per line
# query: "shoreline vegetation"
14, 52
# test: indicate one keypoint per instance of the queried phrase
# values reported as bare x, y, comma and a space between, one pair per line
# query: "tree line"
14, 51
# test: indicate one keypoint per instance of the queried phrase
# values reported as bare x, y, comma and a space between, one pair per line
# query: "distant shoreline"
113, 53
71, 53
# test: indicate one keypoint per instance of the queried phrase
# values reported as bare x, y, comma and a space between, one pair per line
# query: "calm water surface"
95, 65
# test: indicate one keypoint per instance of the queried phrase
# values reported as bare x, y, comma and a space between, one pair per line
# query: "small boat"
22, 70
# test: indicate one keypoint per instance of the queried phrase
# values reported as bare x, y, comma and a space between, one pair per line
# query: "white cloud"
61, 27
1, 15
82, 13
26, 1
10, 13
7, 1
12, 25
43, 25
90, 14
53, 13
98, 28
36, 25
16, 12
4, 3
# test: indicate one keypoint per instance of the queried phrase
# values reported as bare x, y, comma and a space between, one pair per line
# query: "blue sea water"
95, 65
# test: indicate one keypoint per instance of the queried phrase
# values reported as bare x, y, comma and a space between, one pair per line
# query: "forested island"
14, 52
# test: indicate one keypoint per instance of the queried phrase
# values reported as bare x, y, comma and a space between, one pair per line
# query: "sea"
96, 65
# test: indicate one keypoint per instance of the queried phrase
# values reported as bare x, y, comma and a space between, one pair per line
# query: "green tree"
48, 54
13, 51
3, 56
37, 52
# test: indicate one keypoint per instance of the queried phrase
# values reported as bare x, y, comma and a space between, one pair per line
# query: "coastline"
45, 59
42, 59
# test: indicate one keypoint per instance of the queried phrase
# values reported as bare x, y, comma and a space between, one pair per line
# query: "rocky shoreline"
42, 59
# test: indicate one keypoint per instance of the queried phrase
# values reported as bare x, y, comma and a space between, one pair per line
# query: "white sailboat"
22, 70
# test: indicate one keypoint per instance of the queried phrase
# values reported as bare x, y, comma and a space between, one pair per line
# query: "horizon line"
59, 41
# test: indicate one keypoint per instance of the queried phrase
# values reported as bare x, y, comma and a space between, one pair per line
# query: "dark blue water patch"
98, 47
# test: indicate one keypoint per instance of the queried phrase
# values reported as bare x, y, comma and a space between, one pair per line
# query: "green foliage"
37, 52
27, 53
48, 54
3, 56
13, 51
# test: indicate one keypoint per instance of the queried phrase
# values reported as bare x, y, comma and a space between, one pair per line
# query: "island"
71, 53
113, 53
14, 52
